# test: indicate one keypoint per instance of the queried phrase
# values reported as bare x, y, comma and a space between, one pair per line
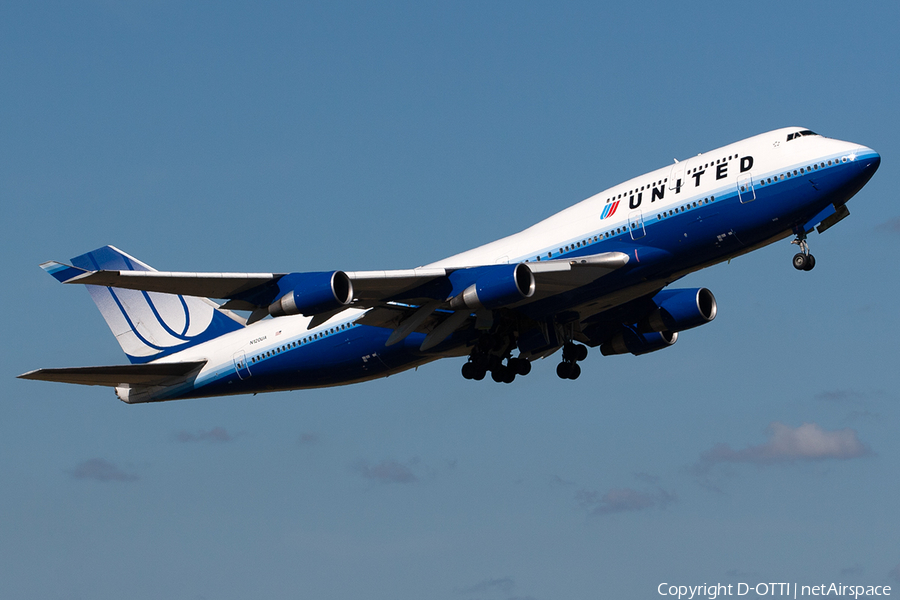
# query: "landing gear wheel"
574, 352
519, 366
803, 261
574, 371
581, 353
474, 369
810, 263
468, 371
568, 370
503, 375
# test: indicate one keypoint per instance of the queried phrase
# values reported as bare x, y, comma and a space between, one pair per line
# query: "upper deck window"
792, 136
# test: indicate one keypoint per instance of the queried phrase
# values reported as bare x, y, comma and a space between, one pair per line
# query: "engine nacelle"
500, 286
629, 340
313, 293
678, 310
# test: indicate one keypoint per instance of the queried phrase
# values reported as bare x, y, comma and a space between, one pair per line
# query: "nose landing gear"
803, 260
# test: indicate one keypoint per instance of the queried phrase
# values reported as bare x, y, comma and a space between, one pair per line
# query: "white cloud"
890, 226
101, 470
387, 471
623, 500
786, 444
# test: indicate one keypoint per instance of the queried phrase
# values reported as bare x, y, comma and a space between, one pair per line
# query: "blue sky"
276, 137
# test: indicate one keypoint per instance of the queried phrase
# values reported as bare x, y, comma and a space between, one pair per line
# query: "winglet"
62, 273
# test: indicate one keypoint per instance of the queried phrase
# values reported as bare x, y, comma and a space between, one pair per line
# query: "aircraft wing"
412, 295
368, 286
116, 375
557, 276
206, 285
249, 291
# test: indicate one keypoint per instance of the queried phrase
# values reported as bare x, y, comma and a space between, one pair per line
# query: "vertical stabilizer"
150, 325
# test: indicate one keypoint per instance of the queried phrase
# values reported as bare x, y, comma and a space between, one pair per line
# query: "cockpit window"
792, 136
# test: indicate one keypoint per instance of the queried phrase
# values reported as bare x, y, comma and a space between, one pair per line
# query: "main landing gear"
803, 260
488, 356
493, 354
572, 353
479, 365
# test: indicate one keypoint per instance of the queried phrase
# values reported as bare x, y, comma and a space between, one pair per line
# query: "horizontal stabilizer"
62, 273
140, 374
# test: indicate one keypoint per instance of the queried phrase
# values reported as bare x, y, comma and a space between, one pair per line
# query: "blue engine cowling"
498, 286
630, 340
312, 293
678, 310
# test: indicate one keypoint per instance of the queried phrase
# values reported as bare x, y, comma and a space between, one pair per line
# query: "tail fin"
148, 325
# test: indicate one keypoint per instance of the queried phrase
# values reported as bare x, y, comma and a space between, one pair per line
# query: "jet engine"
678, 310
630, 340
313, 293
500, 286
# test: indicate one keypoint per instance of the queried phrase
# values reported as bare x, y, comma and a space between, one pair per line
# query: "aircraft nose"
870, 160
873, 162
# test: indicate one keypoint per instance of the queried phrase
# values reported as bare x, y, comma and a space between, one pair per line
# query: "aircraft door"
676, 176
745, 188
636, 225
240, 365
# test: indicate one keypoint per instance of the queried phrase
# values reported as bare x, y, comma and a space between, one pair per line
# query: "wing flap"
374, 287
558, 276
116, 375
604, 260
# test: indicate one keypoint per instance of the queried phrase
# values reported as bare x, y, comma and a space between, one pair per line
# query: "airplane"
593, 275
